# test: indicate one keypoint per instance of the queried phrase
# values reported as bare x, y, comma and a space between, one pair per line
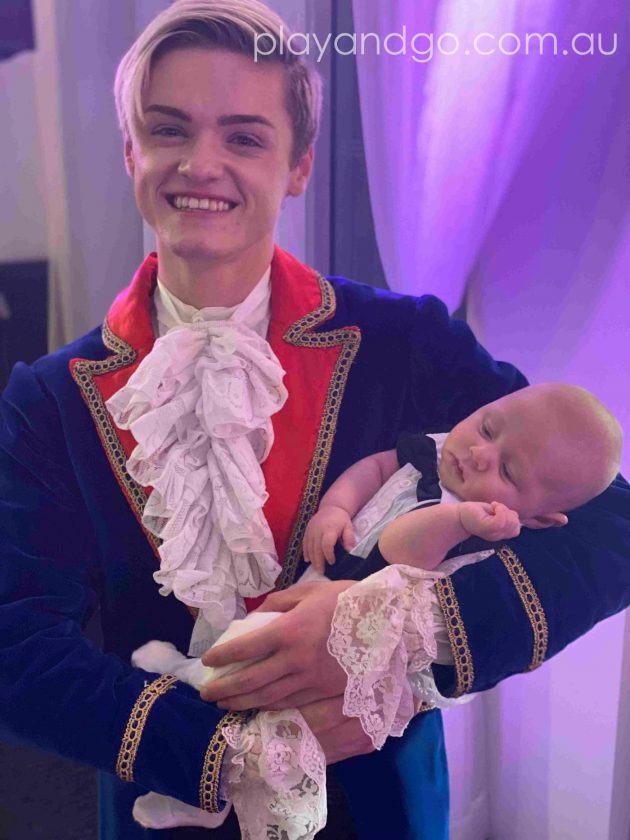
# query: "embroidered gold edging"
135, 725
464, 670
83, 373
211, 772
299, 335
531, 603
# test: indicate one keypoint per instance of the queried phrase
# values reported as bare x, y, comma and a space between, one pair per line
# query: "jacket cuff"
485, 650
173, 743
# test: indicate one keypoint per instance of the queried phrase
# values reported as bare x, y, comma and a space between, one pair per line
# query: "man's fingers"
344, 741
322, 715
263, 697
299, 698
283, 600
252, 645
249, 679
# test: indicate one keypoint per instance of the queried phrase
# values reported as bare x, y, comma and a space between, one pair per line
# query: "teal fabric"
401, 792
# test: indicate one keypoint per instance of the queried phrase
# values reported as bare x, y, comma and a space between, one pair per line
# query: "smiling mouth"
208, 206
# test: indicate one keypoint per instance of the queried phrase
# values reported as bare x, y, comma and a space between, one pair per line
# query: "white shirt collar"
255, 311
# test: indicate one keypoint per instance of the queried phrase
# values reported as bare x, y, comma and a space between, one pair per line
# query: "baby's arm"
423, 537
343, 500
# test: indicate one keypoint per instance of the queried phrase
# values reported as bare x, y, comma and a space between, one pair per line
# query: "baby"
524, 460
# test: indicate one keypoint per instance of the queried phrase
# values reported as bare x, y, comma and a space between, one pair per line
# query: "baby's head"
541, 451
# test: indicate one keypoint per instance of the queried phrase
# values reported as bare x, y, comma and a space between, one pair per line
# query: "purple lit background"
498, 182
505, 180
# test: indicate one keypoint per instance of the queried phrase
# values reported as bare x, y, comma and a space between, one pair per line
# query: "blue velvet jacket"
362, 365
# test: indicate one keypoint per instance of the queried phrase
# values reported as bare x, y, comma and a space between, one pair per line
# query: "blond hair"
235, 25
595, 433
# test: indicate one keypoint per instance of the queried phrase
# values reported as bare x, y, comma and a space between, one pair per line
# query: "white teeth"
184, 202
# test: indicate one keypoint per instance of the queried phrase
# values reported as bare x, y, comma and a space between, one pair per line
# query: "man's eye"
246, 140
167, 131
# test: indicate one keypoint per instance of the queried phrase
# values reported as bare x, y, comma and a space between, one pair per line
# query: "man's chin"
195, 252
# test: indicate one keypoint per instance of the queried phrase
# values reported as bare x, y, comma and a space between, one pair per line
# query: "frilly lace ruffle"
274, 770
277, 777
383, 634
199, 407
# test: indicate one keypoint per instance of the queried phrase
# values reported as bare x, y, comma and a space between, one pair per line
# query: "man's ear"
130, 164
301, 172
546, 520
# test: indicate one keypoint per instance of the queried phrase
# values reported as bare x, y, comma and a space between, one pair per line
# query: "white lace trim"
277, 777
395, 497
383, 634
274, 768
199, 407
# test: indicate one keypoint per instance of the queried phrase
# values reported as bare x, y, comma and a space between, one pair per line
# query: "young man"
214, 142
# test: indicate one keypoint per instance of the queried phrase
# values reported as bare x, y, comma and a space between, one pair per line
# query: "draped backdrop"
505, 181
501, 180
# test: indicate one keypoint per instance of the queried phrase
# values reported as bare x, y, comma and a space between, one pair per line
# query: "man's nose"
481, 457
204, 160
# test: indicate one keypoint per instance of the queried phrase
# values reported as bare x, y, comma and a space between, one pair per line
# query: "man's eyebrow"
228, 119
169, 111
240, 119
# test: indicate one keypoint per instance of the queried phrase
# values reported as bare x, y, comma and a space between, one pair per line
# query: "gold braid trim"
531, 603
83, 372
211, 772
299, 335
135, 725
464, 670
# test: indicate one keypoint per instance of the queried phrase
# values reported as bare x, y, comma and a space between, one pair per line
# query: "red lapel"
129, 320
295, 294
300, 300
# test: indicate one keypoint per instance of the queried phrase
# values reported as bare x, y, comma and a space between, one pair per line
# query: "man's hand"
490, 521
340, 737
297, 668
328, 525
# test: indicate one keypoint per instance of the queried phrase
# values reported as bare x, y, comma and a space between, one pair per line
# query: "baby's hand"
491, 522
322, 532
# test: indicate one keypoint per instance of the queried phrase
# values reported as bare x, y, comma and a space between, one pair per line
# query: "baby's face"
508, 452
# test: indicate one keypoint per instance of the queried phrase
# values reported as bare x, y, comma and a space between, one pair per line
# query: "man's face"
509, 451
225, 139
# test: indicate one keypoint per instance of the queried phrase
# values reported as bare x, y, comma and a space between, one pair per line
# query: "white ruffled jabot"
199, 407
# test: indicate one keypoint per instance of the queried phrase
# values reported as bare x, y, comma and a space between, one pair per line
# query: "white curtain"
95, 234
507, 178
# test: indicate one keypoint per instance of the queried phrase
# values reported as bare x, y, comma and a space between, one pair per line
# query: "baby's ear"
546, 520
